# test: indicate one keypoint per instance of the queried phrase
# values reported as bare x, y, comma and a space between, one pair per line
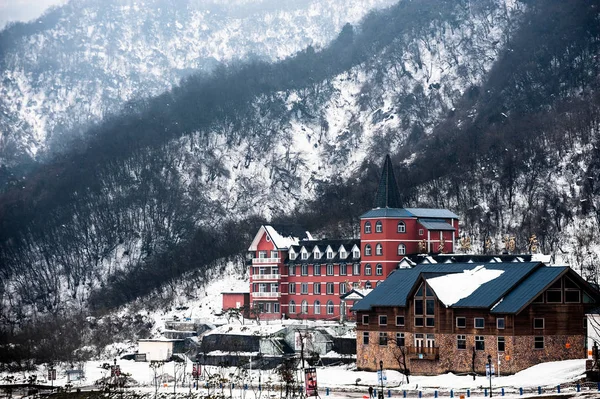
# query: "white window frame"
475, 323
330, 307
498, 320
401, 227
401, 249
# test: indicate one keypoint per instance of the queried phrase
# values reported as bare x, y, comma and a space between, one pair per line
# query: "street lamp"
490, 371
380, 396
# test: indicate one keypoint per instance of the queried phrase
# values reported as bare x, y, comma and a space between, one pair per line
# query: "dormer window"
329, 255
378, 227
356, 254
367, 227
304, 255
292, 255
343, 254
317, 254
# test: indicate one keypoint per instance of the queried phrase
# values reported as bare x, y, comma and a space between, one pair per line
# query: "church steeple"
388, 195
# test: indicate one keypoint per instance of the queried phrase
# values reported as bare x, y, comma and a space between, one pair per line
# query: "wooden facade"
435, 338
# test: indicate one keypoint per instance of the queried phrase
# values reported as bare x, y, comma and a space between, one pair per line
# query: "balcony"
423, 353
266, 295
257, 277
262, 261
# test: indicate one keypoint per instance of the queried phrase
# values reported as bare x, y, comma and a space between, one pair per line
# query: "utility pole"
489, 359
380, 394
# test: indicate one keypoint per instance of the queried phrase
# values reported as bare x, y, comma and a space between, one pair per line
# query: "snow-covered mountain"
256, 140
490, 108
82, 61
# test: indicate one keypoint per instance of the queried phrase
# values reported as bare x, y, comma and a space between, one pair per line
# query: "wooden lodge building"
452, 316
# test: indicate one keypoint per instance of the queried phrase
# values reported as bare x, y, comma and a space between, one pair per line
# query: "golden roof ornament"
441, 245
533, 244
465, 243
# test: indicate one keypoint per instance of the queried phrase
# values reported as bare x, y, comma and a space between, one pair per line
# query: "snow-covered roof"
281, 237
453, 287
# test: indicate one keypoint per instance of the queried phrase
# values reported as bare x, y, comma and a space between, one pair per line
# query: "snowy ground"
341, 381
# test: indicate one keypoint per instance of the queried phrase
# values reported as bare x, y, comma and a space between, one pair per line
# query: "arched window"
292, 307
368, 285
343, 287
378, 227
317, 307
378, 249
329, 307
401, 227
368, 269
379, 270
401, 249
367, 227
368, 250
305, 307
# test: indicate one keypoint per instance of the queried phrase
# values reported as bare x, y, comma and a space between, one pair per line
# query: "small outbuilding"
160, 349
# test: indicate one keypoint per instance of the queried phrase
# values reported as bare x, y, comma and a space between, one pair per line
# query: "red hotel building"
293, 275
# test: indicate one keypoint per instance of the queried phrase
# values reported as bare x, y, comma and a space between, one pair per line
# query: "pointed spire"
388, 195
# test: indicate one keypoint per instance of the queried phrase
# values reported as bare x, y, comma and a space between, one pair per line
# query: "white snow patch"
453, 287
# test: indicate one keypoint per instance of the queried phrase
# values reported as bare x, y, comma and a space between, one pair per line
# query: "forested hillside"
490, 109
83, 61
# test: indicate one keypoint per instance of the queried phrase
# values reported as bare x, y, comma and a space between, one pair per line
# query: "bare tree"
399, 352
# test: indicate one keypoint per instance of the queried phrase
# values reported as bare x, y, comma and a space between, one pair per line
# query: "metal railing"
259, 276
266, 294
423, 352
265, 260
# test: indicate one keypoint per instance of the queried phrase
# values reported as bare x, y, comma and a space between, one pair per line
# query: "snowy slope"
82, 61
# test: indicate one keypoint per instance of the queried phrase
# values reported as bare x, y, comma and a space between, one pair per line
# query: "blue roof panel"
410, 213
395, 289
432, 213
492, 291
386, 212
529, 289
433, 224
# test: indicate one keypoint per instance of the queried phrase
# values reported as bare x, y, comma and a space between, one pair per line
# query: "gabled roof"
467, 258
282, 236
526, 292
356, 293
436, 224
388, 195
488, 294
394, 291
